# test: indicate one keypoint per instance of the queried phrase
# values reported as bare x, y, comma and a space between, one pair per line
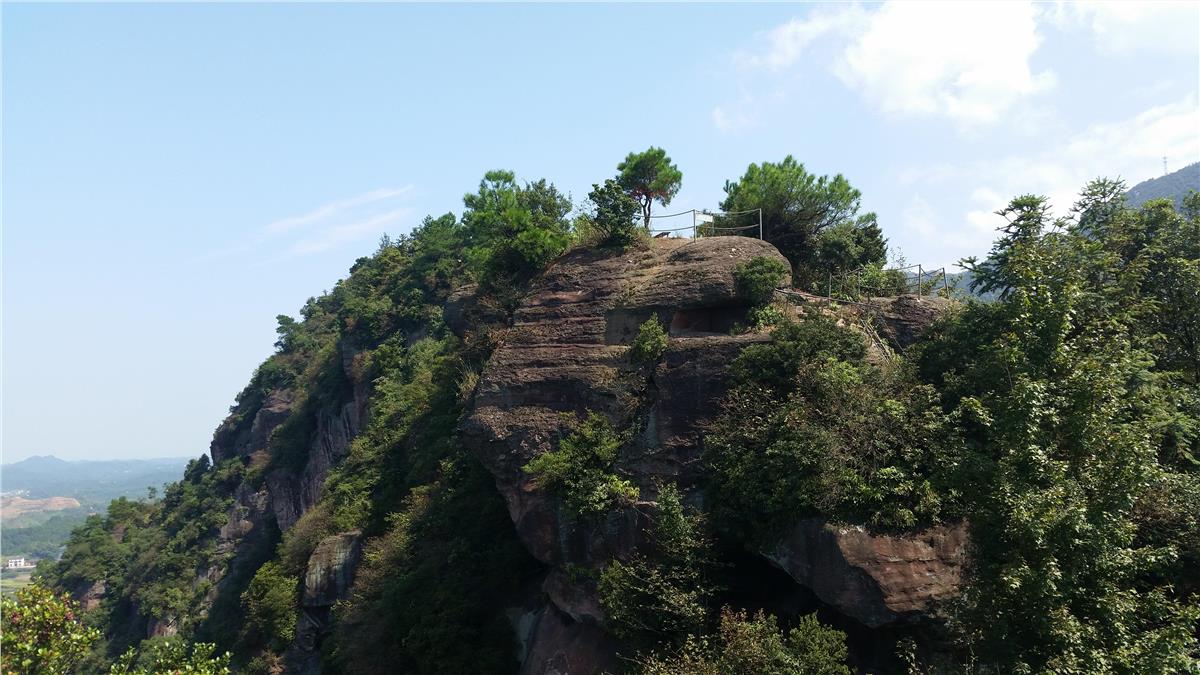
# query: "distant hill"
92, 482
1174, 186
46, 497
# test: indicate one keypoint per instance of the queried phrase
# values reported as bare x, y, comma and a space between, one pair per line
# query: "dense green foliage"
270, 603
649, 177
580, 469
661, 596
814, 221
755, 646
159, 656
613, 215
147, 553
429, 595
512, 231
41, 633
814, 428
1078, 412
758, 278
649, 344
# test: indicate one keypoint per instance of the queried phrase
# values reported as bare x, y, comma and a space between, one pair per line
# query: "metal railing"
704, 223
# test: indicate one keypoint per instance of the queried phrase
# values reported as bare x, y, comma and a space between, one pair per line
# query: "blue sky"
174, 176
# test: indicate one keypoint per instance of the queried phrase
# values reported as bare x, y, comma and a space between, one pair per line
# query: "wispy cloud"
334, 209
325, 239
337, 223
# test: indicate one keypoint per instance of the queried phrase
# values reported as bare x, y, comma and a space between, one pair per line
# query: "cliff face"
567, 353
564, 353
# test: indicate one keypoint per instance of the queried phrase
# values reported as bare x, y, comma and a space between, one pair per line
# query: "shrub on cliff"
613, 215
649, 344
271, 605
661, 595
756, 646
580, 470
758, 278
812, 428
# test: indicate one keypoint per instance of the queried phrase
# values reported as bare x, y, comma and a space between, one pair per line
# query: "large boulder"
559, 645
876, 579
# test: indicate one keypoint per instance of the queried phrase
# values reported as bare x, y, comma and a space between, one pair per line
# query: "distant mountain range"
46, 497
92, 482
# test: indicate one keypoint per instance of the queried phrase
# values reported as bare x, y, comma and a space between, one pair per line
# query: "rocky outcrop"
876, 579
331, 569
89, 594
558, 645
327, 579
567, 352
903, 320
294, 492
247, 431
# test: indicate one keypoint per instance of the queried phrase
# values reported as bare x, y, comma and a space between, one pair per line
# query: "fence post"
829, 288
760, 224
693, 224
945, 285
919, 275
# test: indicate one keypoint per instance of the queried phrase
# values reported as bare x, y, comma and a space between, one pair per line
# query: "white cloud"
919, 217
785, 44
1127, 27
969, 62
965, 61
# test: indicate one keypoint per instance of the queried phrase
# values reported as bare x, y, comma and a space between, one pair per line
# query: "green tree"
513, 231
649, 344
661, 595
813, 220
270, 605
580, 469
41, 633
1065, 417
614, 213
172, 656
649, 177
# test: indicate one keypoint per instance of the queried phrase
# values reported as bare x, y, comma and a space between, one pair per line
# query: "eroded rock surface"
903, 320
567, 353
331, 569
559, 645
876, 579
